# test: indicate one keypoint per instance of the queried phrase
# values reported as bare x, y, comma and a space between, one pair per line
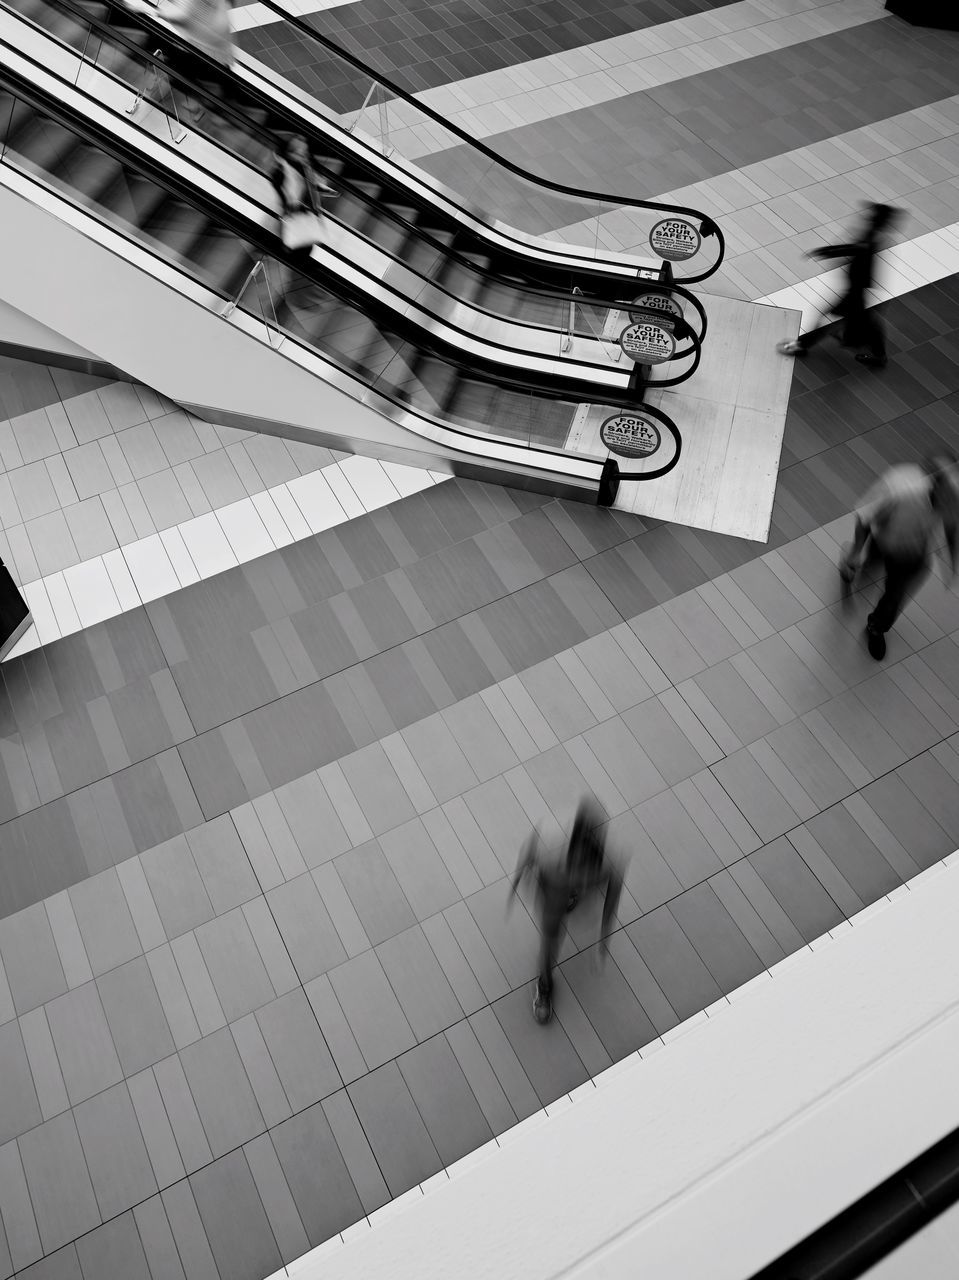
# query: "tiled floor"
257, 977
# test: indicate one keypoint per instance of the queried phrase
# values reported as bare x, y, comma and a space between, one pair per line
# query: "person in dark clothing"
562, 881
896, 525
860, 328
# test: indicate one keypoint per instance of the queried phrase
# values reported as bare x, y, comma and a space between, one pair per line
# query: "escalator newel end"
608, 483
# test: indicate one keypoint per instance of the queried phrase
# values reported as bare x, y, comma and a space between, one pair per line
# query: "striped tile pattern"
256, 978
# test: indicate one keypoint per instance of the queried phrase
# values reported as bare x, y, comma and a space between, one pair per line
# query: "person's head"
881, 217
585, 845
296, 149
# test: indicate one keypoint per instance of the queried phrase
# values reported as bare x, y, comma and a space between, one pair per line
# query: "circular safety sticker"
652, 300
675, 239
630, 435
649, 341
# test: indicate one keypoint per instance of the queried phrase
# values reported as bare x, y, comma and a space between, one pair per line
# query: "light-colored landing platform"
730, 414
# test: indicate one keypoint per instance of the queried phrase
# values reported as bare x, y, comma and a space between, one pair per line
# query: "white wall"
23, 331
710, 1156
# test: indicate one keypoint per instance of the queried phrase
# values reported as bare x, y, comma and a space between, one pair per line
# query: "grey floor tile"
30, 958
375, 892
51, 1092
912, 825
305, 927
179, 893
313, 820
608, 1001
561, 704
439, 756
546, 1053
114, 1250
234, 964
453, 962
444, 1099
261, 1071
796, 889
718, 940
397, 1135
62, 1265
683, 846
372, 1010
187, 1229
503, 827
746, 917
19, 1108
135, 1016
479, 737
20, 1224
356, 1151
80, 1031
221, 1091
60, 1188
223, 865
678, 970
336, 1029
105, 922
317, 1174
759, 800
284, 1217
156, 1129
414, 973
627, 764
377, 789
300, 1053
507, 928
156, 1237
234, 1219
420, 871
116, 1156
481, 1077
180, 1106
648, 877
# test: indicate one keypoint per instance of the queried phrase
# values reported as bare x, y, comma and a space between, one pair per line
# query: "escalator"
111, 226
391, 205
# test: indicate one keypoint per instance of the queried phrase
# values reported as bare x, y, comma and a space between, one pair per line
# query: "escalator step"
223, 260
91, 173
43, 144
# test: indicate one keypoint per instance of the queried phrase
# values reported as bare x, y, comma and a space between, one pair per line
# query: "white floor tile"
29, 640
408, 479
245, 531
289, 509
370, 482
61, 601
180, 558
123, 584
150, 568
44, 619
92, 591
343, 490
273, 522
207, 544
316, 500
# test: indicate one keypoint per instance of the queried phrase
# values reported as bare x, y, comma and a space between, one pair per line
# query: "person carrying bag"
302, 223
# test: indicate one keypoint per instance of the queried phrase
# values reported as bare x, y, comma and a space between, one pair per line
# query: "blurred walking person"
861, 328
563, 880
897, 524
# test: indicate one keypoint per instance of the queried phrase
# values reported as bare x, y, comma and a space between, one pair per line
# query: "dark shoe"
876, 644
542, 1002
874, 362
791, 349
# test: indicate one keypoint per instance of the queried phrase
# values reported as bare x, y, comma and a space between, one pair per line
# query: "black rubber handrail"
548, 386
105, 30
707, 225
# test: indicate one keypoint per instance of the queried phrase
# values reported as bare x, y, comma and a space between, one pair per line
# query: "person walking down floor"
562, 880
299, 189
897, 524
861, 327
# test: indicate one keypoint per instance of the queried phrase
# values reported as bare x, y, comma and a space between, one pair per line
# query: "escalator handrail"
707, 224
293, 20
540, 383
106, 30
267, 242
